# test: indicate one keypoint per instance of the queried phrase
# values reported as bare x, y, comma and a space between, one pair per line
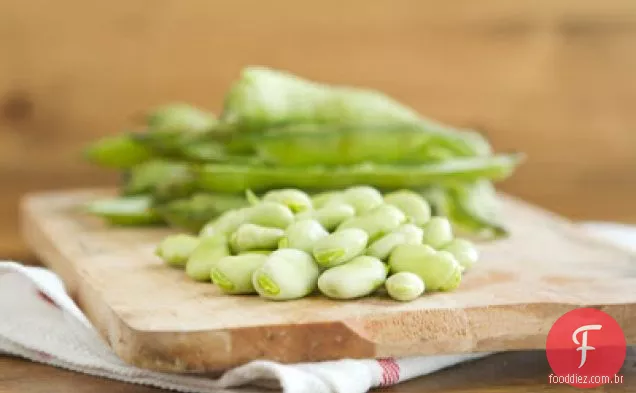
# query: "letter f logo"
583, 344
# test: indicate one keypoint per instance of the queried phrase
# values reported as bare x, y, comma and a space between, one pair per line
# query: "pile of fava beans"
345, 244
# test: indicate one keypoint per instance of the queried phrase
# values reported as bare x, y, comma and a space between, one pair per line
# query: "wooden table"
513, 371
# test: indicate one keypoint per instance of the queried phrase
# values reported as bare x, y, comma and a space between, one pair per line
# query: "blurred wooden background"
553, 78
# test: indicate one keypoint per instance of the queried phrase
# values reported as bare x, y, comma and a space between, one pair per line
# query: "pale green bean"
404, 286
382, 247
464, 251
233, 274
226, 224
176, 249
286, 274
255, 237
412, 205
297, 201
325, 198
259, 252
454, 280
405, 234
209, 251
362, 198
412, 233
302, 235
377, 222
435, 268
357, 278
329, 216
438, 232
340, 247
270, 214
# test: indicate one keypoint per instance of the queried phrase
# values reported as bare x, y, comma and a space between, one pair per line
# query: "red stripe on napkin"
47, 299
390, 371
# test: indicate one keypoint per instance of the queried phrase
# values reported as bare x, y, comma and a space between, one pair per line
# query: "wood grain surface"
522, 372
554, 78
155, 317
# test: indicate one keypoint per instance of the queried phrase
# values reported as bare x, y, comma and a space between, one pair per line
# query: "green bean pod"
125, 211
464, 251
297, 201
411, 204
302, 235
330, 215
255, 237
377, 222
357, 278
165, 179
286, 274
179, 118
438, 232
303, 144
404, 286
117, 152
234, 178
233, 273
270, 214
471, 206
340, 247
264, 97
205, 256
435, 268
176, 249
193, 213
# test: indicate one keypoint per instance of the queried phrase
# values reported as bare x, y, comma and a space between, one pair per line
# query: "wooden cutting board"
154, 317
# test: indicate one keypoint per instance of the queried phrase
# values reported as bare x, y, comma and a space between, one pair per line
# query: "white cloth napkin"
40, 322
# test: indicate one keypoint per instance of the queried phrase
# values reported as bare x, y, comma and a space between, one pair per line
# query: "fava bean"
296, 200
412, 233
382, 247
357, 278
329, 216
362, 198
464, 251
325, 198
205, 256
404, 286
233, 274
286, 274
377, 222
340, 247
226, 224
435, 268
438, 232
270, 214
255, 237
176, 249
454, 280
411, 204
302, 235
